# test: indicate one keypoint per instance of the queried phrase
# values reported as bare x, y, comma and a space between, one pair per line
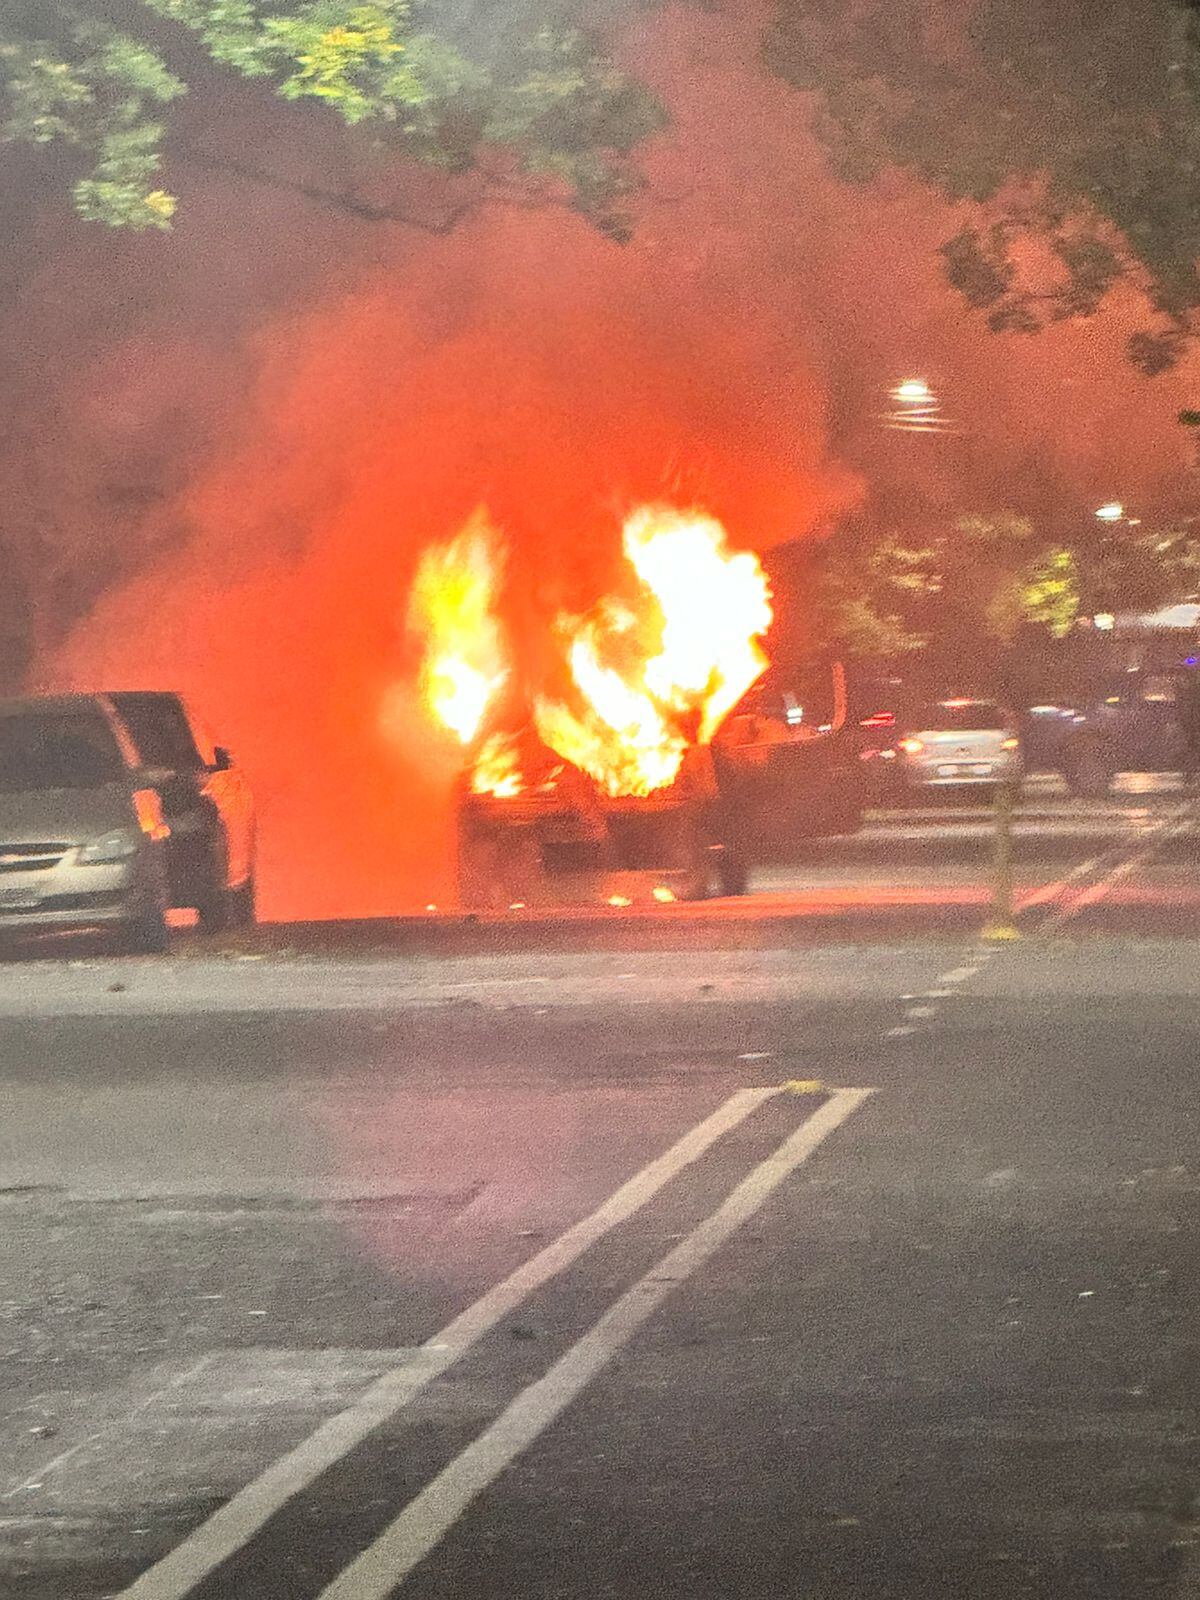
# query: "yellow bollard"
1000, 926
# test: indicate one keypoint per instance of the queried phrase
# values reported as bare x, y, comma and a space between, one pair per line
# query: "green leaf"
438, 78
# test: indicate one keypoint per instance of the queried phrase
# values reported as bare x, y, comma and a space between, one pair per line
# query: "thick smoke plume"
319, 398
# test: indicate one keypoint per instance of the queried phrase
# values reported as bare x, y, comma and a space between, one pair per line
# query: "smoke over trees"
1073, 127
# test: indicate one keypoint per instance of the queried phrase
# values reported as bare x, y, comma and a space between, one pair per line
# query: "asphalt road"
806, 1245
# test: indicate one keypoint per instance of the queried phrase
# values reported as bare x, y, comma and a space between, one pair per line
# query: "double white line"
1119, 863
423, 1523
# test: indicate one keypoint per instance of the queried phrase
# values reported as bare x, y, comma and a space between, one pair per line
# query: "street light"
915, 408
912, 391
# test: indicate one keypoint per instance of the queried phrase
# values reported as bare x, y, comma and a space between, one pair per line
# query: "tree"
864, 589
983, 596
438, 80
1073, 126
960, 596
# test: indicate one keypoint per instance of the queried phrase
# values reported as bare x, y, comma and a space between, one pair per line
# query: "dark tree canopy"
1073, 124
438, 80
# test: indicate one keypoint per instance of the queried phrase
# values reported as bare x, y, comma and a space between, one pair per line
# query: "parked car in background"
207, 805
82, 831
961, 744
1129, 724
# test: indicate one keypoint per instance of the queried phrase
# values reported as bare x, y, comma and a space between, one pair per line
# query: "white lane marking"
1157, 832
239, 1519
426, 1520
957, 975
1048, 891
913, 1012
1095, 891
899, 1033
1175, 825
1165, 826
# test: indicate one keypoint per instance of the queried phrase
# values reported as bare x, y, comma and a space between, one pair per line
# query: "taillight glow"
149, 812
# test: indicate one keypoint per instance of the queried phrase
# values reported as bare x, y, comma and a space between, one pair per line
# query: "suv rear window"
57, 750
801, 701
955, 717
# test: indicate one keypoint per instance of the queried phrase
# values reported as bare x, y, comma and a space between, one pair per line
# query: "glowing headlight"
118, 845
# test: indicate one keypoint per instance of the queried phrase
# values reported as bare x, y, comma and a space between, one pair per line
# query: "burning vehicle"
667, 758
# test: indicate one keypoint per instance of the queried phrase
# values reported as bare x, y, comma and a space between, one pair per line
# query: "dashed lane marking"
957, 975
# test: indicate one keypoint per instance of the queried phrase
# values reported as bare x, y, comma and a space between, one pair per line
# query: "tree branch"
345, 201
495, 190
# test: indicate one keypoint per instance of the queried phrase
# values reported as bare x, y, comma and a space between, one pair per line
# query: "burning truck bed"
557, 837
783, 769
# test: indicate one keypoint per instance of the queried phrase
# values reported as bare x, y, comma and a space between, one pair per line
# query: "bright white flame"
660, 673
650, 674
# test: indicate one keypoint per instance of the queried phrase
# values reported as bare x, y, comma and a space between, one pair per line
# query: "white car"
957, 744
82, 833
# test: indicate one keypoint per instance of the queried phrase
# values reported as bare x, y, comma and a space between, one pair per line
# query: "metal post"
1000, 925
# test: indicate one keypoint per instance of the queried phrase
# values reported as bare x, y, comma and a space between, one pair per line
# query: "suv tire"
241, 905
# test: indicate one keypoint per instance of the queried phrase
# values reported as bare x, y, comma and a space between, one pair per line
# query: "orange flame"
497, 769
453, 608
660, 674
649, 675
